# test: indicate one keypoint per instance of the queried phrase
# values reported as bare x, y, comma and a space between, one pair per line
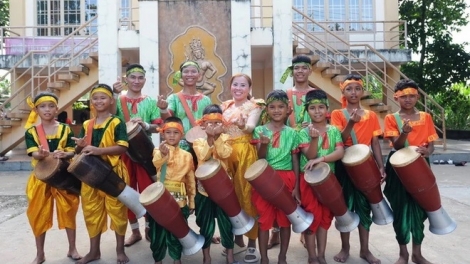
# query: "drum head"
208, 169
195, 133
256, 169
152, 193
46, 167
356, 154
74, 163
319, 174
133, 128
404, 156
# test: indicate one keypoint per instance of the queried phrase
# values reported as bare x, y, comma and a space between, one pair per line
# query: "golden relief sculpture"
198, 45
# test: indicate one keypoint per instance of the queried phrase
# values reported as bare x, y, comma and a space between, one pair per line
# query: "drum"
166, 212
195, 133
419, 181
219, 187
140, 148
98, 174
271, 187
363, 171
365, 175
54, 172
329, 192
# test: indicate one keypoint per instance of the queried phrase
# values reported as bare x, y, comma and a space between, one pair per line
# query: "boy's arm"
222, 147
378, 155
191, 187
158, 159
202, 149
296, 169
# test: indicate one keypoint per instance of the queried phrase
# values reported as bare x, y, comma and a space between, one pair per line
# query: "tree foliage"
4, 13
430, 24
456, 103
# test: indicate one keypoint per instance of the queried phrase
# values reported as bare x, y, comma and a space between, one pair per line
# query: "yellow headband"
171, 125
101, 89
210, 117
347, 82
405, 91
136, 69
33, 115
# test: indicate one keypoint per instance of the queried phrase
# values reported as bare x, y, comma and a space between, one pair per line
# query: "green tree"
456, 103
430, 24
4, 13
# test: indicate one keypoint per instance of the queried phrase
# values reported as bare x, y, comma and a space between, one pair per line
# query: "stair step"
68, 77
295, 44
371, 101
94, 55
380, 108
89, 62
328, 73
80, 69
320, 66
18, 115
338, 79
302, 51
58, 85
366, 94
438, 141
5, 129
315, 58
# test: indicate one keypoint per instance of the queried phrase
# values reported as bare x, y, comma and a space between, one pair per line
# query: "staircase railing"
343, 56
64, 54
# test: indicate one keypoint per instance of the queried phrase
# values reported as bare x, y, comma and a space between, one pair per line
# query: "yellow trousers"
41, 198
243, 155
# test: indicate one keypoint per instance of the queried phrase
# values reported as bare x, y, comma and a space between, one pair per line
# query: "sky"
464, 34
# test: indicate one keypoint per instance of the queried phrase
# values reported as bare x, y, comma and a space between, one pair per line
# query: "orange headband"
171, 125
405, 91
347, 82
211, 117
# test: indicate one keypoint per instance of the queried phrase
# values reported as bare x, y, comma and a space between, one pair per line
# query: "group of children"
312, 136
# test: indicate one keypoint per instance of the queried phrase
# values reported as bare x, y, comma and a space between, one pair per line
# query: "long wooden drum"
54, 172
98, 174
219, 187
165, 211
140, 147
363, 171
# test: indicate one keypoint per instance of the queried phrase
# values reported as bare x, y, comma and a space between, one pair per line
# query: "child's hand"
80, 142
313, 132
218, 129
384, 175
162, 103
263, 139
311, 163
117, 86
92, 150
59, 154
305, 124
406, 126
423, 150
296, 194
42, 153
240, 122
209, 128
164, 149
355, 116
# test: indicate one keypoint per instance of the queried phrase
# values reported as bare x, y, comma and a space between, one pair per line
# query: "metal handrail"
331, 54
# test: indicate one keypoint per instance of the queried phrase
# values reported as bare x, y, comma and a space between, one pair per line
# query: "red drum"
167, 213
363, 171
219, 187
54, 172
98, 174
195, 133
140, 148
419, 181
329, 192
271, 187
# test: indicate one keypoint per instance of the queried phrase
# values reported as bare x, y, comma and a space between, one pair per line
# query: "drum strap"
352, 134
42, 137
163, 173
400, 126
188, 112
292, 115
125, 110
89, 131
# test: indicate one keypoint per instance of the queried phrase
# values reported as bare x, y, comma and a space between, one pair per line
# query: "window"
350, 15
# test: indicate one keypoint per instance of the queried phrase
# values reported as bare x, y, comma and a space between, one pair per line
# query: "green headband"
316, 101
135, 69
177, 76
288, 72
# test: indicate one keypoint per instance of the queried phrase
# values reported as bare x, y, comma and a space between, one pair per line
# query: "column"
241, 36
282, 42
109, 55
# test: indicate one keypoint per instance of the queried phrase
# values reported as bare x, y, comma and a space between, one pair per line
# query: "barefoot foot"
419, 259
88, 258
402, 260
39, 260
132, 239
322, 260
122, 258
342, 256
371, 259
73, 254
313, 261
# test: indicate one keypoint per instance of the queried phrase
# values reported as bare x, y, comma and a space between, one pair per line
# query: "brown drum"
219, 187
54, 172
195, 133
326, 188
98, 174
140, 147
166, 212
271, 187
363, 171
417, 177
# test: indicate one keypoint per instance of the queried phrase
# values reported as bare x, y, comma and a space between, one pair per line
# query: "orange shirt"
423, 129
367, 128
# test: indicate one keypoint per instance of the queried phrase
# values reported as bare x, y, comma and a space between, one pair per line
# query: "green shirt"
147, 110
196, 104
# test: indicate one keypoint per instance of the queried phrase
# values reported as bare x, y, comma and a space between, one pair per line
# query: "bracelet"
146, 126
324, 159
164, 111
406, 133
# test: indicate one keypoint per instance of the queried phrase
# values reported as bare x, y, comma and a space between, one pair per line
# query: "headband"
288, 72
101, 89
171, 125
211, 117
264, 118
33, 115
406, 91
342, 86
317, 101
177, 76
135, 69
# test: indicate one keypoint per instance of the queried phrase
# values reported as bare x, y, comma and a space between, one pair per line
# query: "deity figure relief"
196, 53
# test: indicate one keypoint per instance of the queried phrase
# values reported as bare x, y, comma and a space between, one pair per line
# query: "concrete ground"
17, 241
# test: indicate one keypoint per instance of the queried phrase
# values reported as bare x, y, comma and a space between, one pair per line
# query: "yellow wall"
17, 15
262, 82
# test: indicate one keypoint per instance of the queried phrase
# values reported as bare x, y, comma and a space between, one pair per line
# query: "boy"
176, 171
49, 138
216, 146
357, 126
138, 108
407, 127
278, 144
105, 136
325, 143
